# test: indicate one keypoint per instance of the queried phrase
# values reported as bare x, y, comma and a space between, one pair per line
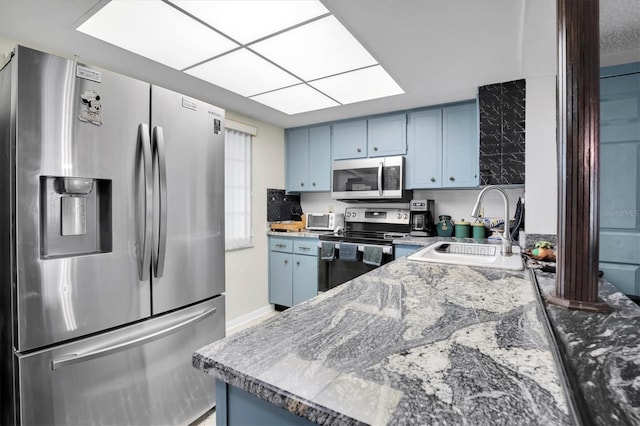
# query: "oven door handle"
385, 249
380, 166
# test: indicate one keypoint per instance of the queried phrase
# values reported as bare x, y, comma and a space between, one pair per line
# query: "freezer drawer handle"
77, 358
144, 246
160, 247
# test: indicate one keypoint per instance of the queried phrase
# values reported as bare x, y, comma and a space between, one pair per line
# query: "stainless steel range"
365, 244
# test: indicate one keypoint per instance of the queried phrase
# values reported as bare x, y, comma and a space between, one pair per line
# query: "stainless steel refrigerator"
111, 246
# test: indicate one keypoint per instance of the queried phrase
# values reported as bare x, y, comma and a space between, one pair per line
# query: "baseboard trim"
251, 316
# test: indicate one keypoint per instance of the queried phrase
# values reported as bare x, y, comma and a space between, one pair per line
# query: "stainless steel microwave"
369, 179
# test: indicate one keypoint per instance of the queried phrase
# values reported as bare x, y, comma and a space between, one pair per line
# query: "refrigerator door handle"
76, 358
144, 246
160, 246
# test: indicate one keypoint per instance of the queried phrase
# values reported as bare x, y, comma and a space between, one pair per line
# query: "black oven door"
332, 273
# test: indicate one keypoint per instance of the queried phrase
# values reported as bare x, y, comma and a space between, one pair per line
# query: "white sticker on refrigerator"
188, 103
88, 74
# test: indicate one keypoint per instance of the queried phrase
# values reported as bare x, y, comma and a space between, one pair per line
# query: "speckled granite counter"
408, 343
302, 234
602, 354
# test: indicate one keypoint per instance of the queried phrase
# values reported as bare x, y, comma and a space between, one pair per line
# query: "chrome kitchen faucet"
506, 235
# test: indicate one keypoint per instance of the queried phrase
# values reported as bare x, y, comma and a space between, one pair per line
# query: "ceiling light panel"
318, 49
360, 85
157, 31
243, 72
249, 20
295, 99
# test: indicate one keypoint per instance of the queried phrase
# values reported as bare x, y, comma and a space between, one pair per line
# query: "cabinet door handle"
375, 148
433, 179
451, 178
359, 150
314, 184
280, 245
305, 248
297, 263
301, 183
286, 262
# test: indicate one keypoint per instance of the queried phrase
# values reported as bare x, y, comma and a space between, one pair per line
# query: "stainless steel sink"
485, 255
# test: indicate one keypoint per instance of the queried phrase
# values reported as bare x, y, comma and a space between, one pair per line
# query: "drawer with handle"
308, 247
281, 244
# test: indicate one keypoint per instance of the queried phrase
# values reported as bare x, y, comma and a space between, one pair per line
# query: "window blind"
237, 194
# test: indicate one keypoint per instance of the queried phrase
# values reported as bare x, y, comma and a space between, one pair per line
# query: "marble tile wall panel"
502, 133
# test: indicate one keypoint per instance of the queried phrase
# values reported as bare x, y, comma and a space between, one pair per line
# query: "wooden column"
578, 155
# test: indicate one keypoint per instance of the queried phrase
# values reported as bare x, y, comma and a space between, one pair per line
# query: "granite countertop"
601, 354
301, 234
425, 241
407, 343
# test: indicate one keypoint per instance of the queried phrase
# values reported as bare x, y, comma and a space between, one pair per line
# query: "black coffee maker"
421, 212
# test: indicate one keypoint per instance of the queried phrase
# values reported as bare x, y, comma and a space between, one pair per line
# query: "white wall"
617, 58
247, 269
539, 68
456, 203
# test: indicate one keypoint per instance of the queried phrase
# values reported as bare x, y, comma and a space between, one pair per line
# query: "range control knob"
405, 216
399, 215
354, 214
348, 214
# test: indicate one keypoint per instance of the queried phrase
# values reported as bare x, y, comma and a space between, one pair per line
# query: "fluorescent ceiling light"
249, 20
318, 49
295, 99
359, 85
305, 59
157, 31
243, 72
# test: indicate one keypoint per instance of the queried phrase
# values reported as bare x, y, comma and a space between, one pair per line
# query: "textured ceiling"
619, 25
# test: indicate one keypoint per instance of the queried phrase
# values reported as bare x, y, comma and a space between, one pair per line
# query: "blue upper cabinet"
297, 160
460, 140
320, 158
349, 139
387, 135
308, 159
424, 149
443, 147
374, 137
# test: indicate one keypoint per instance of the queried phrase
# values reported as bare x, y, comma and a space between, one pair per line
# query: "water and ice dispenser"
75, 216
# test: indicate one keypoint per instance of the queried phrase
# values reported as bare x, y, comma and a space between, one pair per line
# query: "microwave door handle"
380, 165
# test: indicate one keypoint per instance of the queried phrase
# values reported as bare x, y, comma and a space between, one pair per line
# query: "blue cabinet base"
237, 407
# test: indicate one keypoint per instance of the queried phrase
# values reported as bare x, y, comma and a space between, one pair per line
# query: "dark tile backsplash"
282, 206
502, 132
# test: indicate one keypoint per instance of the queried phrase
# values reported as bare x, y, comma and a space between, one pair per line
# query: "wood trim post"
578, 97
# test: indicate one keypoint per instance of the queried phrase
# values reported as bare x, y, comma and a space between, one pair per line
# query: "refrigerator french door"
187, 137
112, 248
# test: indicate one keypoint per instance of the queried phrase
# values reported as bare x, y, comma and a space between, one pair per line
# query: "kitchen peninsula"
408, 343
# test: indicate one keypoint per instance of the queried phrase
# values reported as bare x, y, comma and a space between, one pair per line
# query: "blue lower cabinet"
401, 250
293, 270
281, 279
305, 278
237, 407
